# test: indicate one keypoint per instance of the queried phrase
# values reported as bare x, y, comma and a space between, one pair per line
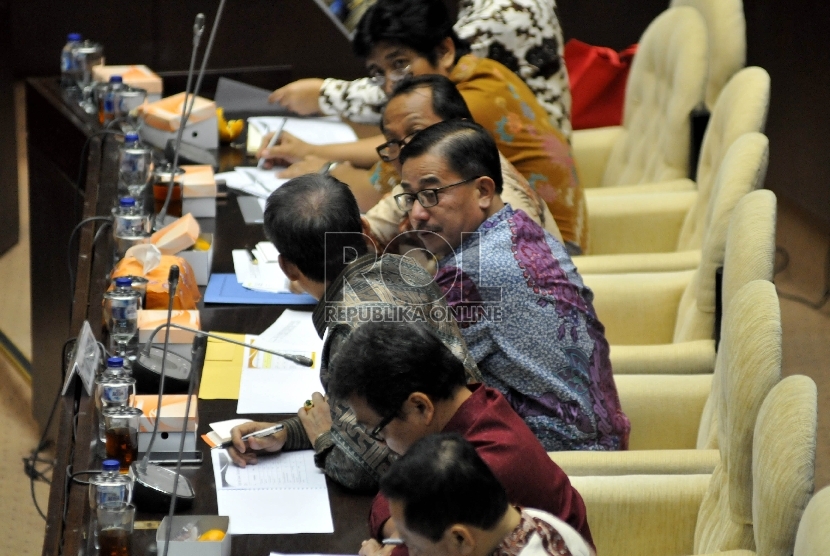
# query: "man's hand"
317, 419
300, 96
243, 452
288, 150
372, 547
309, 165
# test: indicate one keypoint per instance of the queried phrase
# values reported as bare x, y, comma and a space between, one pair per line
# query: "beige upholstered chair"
674, 418
667, 80
663, 231
726, 27
813, 536
750, 504
663, 322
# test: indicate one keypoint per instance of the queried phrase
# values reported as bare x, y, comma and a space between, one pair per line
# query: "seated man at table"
445, 500
314, 222
522, 307
403, 384
418, 103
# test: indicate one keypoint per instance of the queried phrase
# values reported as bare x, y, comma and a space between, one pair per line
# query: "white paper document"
280, 494
271, 384
254, 181
317, 131
259, 275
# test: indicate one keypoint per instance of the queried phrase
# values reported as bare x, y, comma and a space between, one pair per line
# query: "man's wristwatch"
328, 167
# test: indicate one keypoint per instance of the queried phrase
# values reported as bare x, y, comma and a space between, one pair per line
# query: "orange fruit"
228, 130
212, 535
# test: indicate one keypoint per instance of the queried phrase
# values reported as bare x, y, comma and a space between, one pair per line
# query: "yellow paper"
223, 369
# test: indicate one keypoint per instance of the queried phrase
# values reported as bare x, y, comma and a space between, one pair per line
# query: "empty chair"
751, 504
667, 80
659, 231
674, 418
726, 30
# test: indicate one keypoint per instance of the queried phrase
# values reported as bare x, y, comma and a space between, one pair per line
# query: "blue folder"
223, 288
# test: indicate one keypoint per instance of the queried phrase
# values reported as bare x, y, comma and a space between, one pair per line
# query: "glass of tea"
122, 435
115, 529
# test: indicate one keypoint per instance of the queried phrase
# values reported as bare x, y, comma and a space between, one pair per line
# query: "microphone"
156, 487
149, 362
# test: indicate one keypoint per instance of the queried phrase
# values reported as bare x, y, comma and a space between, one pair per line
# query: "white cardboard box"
195, 548
200, 261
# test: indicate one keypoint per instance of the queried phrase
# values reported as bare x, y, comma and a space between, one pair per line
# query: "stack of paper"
259, 269
281, 494
221, 431
316, 131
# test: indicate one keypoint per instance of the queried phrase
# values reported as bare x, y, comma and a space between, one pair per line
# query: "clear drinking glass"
115, 529
122, 435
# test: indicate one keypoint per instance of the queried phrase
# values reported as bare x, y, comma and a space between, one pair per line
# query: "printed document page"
281, 494
271, 384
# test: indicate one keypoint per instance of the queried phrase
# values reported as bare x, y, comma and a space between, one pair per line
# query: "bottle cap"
123, 283
74, 37
116, 79
126, 202
131, 137
116, 361
110, 465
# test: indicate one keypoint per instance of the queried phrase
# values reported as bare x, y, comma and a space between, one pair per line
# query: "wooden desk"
75, 412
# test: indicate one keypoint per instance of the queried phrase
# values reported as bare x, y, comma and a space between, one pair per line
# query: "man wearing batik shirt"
314, 222
523, 310
446, 501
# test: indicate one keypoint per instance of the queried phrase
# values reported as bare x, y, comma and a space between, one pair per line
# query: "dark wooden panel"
9, 217
790, 41
296, 33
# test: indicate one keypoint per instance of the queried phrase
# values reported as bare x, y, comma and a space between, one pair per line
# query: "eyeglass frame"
395, 76
432, 190
373, 434
401, 144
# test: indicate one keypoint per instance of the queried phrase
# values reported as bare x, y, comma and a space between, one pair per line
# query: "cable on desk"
30, 463
82, 163
108, 220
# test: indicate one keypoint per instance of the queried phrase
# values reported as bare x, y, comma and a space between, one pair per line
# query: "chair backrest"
666, 82
783, 464
726, 27
742, 171
813, 536
748, 366
742, 108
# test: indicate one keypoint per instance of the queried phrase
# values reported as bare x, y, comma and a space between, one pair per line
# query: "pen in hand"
274, 138
392, 542
256, 434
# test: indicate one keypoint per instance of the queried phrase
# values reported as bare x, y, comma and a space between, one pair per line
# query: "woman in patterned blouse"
523, 35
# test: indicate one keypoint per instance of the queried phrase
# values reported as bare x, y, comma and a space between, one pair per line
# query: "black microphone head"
173, 277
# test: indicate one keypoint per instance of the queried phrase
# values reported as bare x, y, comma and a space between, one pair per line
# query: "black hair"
419, 24
314, 222
447, 102
385, 362
441, 481
466, 146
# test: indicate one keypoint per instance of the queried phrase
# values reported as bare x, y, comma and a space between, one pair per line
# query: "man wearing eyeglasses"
403, 385
418, 103
523, 310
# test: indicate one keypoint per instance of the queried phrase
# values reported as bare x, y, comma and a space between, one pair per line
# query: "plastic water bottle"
131, 226
135, 169
121, 311
109, 100
109, 488
69, 66
115, 367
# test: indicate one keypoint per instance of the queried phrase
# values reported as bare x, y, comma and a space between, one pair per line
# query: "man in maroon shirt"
403, 384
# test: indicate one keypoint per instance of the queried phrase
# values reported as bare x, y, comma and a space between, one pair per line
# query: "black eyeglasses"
391, 150
376, 431
427, 197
